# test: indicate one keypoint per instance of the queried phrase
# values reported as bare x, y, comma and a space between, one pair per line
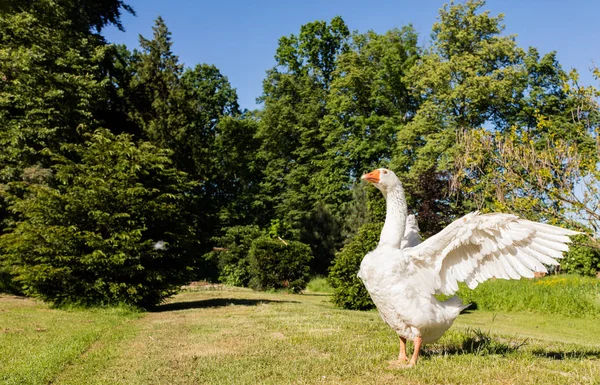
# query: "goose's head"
382, 178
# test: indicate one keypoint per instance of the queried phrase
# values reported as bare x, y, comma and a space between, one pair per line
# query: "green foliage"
195, 113
236, 172
335, 105
7, 282
154, 93
278, 265
568, 295
82, 15
111, 229
368, 103
348, 290
581, 259
291, 134
53, 82
470, 75
232, 259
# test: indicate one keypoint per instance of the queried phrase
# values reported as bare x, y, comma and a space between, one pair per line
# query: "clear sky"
240, 37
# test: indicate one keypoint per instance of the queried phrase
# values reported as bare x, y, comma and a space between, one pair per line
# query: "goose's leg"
402, 356
413, 360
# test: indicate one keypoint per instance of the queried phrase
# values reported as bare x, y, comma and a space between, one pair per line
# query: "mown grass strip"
37, 342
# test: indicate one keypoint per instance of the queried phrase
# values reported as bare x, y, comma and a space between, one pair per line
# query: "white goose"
403, 276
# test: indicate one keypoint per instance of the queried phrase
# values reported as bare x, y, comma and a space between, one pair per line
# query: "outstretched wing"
478, 247
411, 233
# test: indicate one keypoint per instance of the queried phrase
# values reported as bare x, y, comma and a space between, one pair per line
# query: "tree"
209, 149
290, 130
469, 75
83, 15
236, 173
112, 229
52, 71
181, 110
53, 81
369, 101
549, 172
156, 97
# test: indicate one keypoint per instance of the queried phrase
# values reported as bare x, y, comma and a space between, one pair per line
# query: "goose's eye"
385, 172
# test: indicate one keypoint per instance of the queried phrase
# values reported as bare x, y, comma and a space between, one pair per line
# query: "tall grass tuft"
569, 295
477, 342
319, 284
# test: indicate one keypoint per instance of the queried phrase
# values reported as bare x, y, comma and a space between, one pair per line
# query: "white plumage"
402, 275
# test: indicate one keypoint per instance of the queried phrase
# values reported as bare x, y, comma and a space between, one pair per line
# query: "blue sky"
240, 37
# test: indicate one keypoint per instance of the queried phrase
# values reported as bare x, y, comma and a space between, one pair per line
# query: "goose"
402, 274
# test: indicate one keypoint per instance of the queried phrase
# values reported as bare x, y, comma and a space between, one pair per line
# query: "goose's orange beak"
372, 177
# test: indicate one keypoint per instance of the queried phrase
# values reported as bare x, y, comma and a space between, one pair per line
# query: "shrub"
277, 265
348, 290
233, 261
111, 230
581, 259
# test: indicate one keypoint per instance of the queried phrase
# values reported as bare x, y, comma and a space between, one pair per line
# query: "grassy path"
243, 337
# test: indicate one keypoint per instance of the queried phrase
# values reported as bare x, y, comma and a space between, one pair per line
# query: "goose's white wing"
411, 233
478, 247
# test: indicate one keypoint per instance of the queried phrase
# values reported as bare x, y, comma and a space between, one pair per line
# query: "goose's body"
406, 305
402, 275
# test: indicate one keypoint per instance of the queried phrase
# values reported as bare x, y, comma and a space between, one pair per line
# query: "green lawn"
236, 336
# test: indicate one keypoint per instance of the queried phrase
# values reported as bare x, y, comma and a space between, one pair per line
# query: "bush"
348, 290
111, 230
581, 259
233, 261
275, 265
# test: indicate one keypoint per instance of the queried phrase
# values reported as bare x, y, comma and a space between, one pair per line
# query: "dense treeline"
124, 174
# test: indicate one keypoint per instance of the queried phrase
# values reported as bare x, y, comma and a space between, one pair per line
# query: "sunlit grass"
37, 342
220, 336
569, 295
319, 285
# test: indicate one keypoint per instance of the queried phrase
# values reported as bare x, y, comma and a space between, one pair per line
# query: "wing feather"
411, 233
478, 247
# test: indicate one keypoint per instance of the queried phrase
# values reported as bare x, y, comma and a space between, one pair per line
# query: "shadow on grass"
214, 302
476, 342
567, 354
479, 343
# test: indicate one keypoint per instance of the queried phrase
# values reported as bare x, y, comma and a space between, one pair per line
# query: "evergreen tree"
52, 77
53, 83
156, 97
180, 110
111, 230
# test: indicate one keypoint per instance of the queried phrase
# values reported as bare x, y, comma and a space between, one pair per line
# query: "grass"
319, 285
568, 295
37, 342
220, 335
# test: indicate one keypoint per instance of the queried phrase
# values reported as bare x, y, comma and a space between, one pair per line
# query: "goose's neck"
395, 218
